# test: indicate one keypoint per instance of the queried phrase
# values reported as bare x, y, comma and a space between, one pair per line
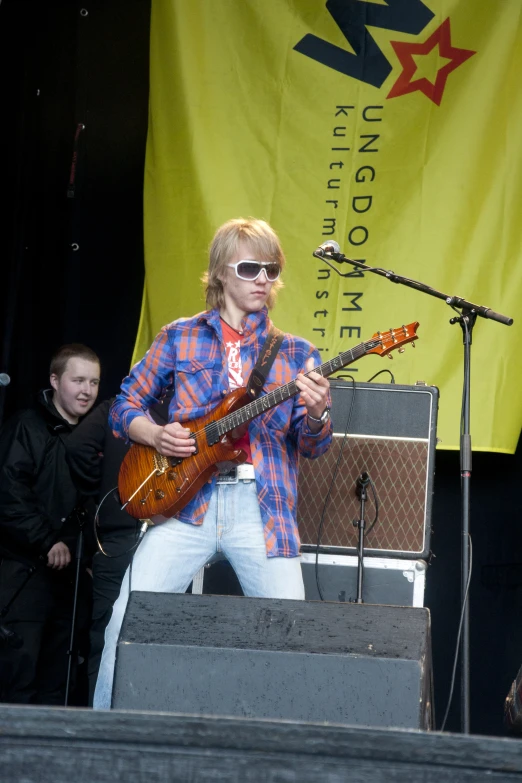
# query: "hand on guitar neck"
314, 393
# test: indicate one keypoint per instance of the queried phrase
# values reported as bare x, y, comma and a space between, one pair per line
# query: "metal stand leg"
360, 491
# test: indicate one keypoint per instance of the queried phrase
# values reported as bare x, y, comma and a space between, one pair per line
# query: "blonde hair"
263, 243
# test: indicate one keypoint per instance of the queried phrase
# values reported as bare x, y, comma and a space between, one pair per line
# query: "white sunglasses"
250, 270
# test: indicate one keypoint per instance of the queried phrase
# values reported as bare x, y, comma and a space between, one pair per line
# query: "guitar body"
174, 482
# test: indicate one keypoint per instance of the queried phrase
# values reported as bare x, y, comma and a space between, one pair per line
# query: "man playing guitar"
249, 514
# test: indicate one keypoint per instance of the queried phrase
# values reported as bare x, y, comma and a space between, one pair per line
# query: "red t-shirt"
232, 340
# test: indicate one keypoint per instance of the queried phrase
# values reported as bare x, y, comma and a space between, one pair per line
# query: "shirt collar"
250, 324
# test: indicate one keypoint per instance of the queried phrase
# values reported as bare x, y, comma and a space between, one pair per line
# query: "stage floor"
41, 744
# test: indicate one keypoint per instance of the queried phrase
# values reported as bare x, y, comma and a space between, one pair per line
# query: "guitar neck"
270, 400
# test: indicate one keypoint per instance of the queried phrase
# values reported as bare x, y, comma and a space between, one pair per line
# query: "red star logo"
441, 37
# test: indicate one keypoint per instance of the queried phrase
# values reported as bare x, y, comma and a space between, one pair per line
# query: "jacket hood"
45, 404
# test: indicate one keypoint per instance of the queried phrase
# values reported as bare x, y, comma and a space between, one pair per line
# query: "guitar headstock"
394, 338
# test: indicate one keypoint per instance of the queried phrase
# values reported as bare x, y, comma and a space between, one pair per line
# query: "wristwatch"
325, 415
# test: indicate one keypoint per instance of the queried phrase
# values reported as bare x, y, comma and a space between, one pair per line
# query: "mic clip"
362, 482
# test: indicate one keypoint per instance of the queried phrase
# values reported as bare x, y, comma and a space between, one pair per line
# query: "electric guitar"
156, 488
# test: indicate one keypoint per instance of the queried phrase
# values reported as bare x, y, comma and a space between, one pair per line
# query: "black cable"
330, 488
139, 533
130, 576
392, 376
456, 657
464, 323
376, 504
342, 376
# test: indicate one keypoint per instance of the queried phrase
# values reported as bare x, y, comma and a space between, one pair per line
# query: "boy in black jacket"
38, 530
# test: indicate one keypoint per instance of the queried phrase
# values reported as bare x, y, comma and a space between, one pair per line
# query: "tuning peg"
413, 345
389, 356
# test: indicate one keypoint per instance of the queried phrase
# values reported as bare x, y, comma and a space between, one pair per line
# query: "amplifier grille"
398, 468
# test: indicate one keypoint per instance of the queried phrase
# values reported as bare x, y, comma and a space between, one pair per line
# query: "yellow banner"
391, 127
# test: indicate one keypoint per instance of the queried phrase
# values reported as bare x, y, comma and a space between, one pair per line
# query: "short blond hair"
263, 242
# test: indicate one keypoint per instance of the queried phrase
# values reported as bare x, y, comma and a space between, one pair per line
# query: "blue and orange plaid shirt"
188, 356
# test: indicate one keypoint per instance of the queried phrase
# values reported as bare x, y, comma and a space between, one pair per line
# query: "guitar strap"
265, 361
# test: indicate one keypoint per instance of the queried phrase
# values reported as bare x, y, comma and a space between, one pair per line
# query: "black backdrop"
72, 270
74, 265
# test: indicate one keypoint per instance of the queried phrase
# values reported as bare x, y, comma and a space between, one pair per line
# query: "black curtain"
75, 85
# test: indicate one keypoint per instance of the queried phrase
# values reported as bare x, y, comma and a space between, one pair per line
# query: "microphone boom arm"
456, 302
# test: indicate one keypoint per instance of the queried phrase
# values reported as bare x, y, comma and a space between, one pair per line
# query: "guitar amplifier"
389, 431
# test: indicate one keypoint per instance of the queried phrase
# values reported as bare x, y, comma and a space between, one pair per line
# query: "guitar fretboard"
216, 429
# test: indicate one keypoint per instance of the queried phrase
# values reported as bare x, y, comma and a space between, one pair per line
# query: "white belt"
244, 472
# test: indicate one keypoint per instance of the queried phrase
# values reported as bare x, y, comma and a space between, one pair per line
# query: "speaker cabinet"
389, 431
270, 658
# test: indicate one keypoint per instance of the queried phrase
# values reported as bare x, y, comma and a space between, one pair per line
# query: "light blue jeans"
173, 552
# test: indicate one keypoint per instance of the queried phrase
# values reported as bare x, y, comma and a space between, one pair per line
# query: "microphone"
5, 380
329, 247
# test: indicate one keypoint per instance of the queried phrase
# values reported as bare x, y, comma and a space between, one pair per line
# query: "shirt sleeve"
146, 383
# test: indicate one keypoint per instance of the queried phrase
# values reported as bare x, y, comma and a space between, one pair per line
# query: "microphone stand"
360, 490
330, 251
80, 518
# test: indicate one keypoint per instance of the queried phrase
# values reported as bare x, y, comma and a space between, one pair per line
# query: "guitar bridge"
161, 463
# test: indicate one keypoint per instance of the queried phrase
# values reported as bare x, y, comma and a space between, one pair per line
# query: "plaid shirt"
189, 356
